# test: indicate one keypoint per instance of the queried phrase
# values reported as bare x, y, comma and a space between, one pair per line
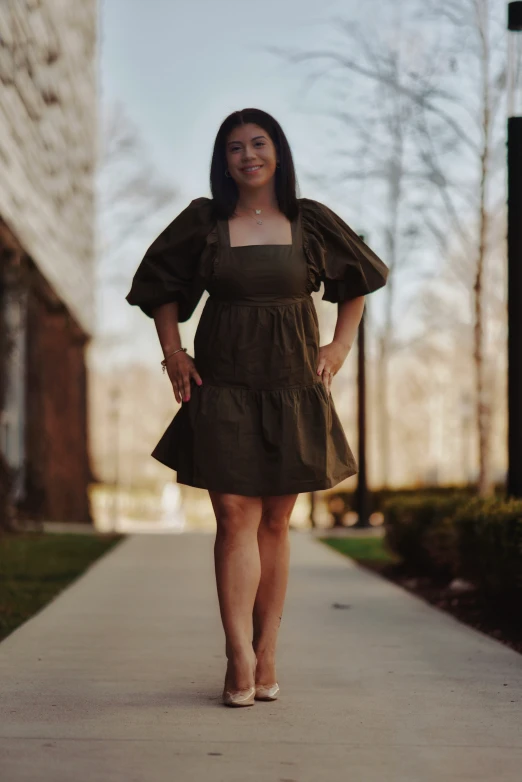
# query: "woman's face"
250, 147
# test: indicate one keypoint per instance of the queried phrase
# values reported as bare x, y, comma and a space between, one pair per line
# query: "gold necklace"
258, 212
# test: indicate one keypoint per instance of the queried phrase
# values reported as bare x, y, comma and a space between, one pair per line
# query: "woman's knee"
275, 521
276, 513
235, 514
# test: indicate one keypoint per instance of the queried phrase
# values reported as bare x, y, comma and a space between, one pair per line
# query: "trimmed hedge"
489, 543
378, 498
478, 539
421, 532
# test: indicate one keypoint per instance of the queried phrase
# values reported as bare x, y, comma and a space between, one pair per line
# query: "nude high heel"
267, 692
239, 697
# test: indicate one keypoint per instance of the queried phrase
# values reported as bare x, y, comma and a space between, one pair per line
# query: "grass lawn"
370, 549
35, 567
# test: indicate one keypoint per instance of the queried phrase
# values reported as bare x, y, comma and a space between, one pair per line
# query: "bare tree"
445, 102
131, 194
463, 161
378, 148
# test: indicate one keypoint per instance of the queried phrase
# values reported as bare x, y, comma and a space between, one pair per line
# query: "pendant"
258, 211
259, 222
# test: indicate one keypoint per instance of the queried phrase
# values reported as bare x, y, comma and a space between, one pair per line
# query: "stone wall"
48, 140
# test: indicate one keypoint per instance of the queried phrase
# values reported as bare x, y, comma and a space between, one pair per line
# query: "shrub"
489, 544
478, 539
380, 497
420, 530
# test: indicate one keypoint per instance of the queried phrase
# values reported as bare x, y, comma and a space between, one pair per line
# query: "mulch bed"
498, 618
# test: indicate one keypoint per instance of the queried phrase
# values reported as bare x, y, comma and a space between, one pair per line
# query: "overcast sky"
180, 66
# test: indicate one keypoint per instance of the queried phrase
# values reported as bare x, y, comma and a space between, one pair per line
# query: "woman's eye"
258, 144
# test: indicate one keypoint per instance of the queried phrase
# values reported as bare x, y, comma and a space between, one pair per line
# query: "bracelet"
164, 362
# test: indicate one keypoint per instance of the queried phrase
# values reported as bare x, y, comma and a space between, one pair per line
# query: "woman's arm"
333, 355
180, 367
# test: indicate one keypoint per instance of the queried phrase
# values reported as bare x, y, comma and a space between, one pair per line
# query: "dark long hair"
224, 190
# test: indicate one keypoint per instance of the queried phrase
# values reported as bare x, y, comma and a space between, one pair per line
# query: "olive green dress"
262, 422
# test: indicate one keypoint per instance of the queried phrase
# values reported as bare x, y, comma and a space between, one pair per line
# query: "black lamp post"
514, 236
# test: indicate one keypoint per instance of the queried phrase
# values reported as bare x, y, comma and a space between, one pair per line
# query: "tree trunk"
395, 180
483, 412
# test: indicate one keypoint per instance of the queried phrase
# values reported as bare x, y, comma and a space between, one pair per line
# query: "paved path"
120, 679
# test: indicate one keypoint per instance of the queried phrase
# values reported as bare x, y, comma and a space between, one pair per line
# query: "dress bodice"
259, 272
193, 253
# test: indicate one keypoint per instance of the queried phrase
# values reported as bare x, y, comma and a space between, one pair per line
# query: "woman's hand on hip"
180, 369
331, 359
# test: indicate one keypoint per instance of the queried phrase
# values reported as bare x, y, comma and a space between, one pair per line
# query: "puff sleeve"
169, 270
338, 256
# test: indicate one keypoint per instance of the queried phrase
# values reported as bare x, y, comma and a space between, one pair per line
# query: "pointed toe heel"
267, 693
239, 697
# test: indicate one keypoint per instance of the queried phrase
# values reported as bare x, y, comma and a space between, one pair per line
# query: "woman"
257, 423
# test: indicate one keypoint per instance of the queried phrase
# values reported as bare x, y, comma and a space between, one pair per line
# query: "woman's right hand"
180, 369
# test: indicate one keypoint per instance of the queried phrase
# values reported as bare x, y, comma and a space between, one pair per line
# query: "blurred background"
396, 115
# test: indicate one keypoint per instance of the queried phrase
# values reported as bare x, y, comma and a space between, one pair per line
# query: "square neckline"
293, 227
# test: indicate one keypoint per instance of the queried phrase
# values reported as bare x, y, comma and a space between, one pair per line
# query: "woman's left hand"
331, 359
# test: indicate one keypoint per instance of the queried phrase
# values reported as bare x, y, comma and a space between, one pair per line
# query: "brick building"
48, 129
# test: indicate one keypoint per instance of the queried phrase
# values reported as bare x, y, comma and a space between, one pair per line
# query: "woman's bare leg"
238, 570
274, 551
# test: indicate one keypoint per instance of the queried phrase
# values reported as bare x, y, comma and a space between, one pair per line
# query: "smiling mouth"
251, 169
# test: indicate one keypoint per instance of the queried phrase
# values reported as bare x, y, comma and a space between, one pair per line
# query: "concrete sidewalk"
120, 679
